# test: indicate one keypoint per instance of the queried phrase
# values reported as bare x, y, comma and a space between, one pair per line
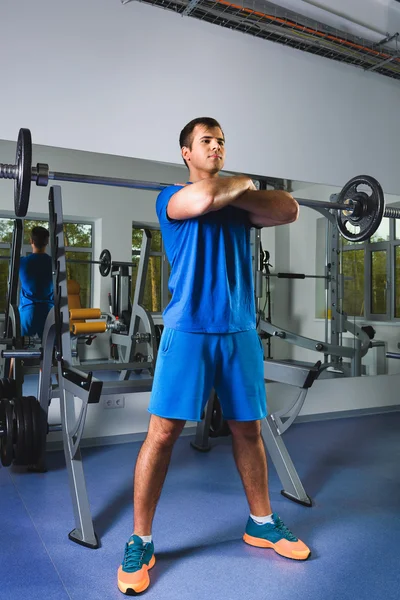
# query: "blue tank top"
36, 279
211, 278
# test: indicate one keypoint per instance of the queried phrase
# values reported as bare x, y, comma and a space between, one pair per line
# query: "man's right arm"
207, 195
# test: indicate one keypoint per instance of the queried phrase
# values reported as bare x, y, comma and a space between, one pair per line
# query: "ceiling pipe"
341, 15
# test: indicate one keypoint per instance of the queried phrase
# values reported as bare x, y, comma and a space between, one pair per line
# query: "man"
36, 296
210, 340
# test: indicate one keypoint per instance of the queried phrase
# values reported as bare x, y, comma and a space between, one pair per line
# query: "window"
156, 295
371, 273
78, 245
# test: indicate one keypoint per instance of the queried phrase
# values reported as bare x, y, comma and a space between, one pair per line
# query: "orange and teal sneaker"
276, 536
133, 576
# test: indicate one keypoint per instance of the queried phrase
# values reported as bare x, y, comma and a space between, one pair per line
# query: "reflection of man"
36, 297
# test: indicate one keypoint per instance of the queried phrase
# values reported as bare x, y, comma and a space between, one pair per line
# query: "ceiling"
362, 33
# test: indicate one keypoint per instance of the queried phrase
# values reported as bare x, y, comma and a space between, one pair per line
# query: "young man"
210, 340
36, 296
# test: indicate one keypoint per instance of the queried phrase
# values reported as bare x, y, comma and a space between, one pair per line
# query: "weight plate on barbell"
28, 429
19, 449
368, 212
37, 429
22, 183
8, 388
6, 441
158, 331
105, 263
218, 426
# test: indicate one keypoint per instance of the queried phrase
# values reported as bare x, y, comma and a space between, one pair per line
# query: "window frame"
389, 246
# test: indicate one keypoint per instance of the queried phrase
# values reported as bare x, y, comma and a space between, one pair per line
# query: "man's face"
208, 149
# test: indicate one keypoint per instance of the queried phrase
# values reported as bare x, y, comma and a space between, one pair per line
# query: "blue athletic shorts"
33, 319
189, 365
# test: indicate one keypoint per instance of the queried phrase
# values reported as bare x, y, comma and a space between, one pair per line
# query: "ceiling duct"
269, 21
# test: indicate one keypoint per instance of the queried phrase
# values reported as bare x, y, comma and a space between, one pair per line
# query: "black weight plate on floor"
218, 426
8, 388
11, 387
158, 329
36, 429
7, 450
19, 449
28, 429
22, 184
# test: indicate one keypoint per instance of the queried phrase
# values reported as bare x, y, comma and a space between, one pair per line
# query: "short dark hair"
186, 136
40, 237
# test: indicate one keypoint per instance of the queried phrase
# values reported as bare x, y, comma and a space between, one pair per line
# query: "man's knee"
164, 432
249, 430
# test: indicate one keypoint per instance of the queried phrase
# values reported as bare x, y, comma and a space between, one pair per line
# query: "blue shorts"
189, 365
33, 319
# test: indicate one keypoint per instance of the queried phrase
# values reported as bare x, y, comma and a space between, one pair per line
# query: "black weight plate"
19, 450
36, 429
218, 426
28, 429
22, 184
370, 209
158, 330
105, 262
6, 416
2, 394
9, 388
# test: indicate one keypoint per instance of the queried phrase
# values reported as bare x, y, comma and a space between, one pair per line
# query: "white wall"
123, 79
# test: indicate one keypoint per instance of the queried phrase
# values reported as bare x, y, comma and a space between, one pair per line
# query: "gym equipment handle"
21, 354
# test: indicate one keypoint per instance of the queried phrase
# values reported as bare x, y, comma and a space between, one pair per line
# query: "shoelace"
133, 557
284, 530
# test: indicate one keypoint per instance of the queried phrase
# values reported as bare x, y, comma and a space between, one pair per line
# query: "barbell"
356, 208
105, 262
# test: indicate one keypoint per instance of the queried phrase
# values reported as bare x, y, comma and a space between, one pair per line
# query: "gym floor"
350, 467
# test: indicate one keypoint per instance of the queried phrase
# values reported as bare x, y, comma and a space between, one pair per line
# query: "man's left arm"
268, 208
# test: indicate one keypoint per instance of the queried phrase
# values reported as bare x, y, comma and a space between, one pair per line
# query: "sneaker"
133, 576
276, 536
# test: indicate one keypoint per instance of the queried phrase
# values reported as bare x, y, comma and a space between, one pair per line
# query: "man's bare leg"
251, 462
151, 470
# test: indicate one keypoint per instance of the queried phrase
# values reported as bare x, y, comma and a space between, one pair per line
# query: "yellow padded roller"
76, 314
93, 327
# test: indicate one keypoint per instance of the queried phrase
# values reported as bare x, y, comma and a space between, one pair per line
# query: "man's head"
202, 143
39, 238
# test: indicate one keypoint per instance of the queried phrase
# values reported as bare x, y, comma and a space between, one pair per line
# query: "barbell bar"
105, 262
356, 208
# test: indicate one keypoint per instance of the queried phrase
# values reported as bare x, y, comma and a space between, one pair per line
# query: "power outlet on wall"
116, 402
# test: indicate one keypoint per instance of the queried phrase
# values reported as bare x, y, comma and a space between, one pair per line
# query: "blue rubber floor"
350, 467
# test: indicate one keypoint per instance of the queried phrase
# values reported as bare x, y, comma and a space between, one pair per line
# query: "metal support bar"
20, 354
13, 278
83, 533
292, 487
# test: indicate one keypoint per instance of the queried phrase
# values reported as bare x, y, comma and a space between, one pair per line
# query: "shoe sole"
141, 585
261, 543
